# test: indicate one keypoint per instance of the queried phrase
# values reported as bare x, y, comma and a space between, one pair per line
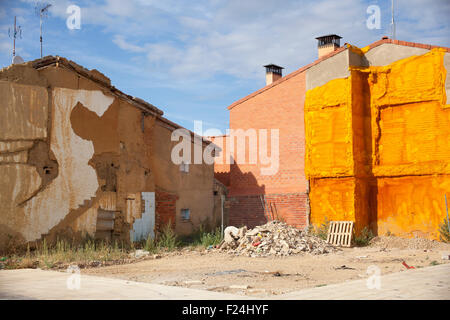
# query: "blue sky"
194, 58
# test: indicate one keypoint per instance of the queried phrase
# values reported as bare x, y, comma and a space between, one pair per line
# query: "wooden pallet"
340, 233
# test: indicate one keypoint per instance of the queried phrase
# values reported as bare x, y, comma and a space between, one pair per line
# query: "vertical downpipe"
308, 207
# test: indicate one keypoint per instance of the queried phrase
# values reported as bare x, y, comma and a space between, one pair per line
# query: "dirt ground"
266, 276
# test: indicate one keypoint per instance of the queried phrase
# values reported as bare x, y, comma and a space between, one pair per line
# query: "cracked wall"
75, 159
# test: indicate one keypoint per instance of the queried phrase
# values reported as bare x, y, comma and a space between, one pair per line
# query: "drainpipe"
446, 207
222, 200
308, 207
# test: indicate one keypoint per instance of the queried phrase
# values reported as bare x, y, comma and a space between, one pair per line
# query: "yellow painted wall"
413, 205
410, 120
378, 147
328, 130
333, 199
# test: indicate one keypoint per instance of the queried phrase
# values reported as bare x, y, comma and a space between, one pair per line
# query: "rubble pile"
273, 238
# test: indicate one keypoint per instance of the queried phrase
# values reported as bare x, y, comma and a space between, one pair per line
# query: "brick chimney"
273, 73
328, 43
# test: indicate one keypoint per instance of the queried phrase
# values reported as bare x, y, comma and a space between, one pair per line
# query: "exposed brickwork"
223, 177
302, 69
221, 170
248, 209
277, 107
166, 208
291, 207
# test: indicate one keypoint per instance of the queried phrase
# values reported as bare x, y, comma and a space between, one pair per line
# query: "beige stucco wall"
328, 69
447, 79
388, 53
194, 188
68, 147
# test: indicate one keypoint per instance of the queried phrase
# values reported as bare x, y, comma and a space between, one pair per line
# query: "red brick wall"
248, 209
166, 208
221, 170
291, 207
279, 107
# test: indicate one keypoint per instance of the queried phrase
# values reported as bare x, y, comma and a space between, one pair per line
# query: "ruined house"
363, 136
80, 158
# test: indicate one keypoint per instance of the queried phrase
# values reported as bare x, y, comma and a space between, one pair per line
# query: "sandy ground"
267, 276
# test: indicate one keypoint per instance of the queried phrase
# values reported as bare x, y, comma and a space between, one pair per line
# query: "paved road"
427, 283
431, 283
40, 284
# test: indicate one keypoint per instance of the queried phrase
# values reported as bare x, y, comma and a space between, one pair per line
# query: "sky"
192, 59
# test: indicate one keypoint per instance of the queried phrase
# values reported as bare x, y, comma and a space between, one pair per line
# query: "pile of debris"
273, 238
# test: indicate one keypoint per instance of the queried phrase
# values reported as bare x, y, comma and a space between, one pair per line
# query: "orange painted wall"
378, 147
412, 205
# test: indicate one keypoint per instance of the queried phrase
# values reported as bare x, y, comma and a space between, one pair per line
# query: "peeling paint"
145, 226
77, 181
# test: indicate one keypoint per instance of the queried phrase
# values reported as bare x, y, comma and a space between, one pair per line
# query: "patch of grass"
63, 252
320, 231
434, 263
444, 232
167, 238
320, 285
364, 237
206, 239
201, 237
151, 245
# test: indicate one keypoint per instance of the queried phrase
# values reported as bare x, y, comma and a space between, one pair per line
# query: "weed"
212, 238
167, 238
151, 245
444, 232
364, 237
320, 231
434, 263
63, 252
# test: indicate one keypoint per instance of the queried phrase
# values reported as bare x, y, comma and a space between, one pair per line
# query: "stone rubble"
275, 238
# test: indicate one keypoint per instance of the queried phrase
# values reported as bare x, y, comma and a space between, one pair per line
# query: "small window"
184, 167
185, 214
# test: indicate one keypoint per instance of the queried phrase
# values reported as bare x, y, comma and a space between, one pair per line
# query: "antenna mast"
41, 10
16, 32
393, 22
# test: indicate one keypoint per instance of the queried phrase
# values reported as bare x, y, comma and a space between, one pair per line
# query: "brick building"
297, 192
79, 158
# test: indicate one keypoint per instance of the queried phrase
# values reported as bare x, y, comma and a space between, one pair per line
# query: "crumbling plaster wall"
68, 147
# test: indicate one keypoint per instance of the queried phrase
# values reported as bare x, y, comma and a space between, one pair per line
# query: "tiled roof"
371, 46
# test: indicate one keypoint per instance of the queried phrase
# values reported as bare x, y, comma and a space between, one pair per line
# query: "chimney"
328, 44
273, 73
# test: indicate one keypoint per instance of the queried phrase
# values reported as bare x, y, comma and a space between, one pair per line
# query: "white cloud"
122, 44
176, 39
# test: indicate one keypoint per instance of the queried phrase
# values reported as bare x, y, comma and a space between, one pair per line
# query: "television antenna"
393, 21
42, 12
15, 33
